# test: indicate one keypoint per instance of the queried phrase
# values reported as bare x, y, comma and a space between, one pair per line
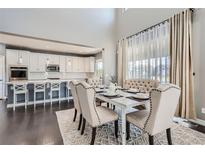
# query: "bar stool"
39, 88
55, 87
20, 89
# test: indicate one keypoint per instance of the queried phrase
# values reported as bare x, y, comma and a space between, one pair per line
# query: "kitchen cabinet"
69, 64
17, 57
53, 59
62, 64
37, 62
87, 64
92, 64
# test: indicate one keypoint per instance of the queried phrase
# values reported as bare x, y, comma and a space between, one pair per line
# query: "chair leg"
108, 105
128, 130
83, 127
93, 136
80, 121
151, 140
113, 107
75, 115
169, 139
116, 128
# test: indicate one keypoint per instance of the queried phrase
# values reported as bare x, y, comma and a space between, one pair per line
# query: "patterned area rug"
105, 134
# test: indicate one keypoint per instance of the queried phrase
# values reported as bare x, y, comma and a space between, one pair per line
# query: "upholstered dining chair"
163, 104
72, 85
95, 116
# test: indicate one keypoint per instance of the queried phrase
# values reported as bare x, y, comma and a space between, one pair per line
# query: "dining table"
123, 100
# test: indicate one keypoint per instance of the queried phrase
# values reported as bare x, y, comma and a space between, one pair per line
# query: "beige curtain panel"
181, 72
121, 61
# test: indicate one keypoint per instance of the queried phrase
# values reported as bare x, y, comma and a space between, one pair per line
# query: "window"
99, 68
148, 54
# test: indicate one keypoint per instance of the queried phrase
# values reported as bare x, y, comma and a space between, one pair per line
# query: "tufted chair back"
163, 104
94, 82
86, 95
72, 85
142, 85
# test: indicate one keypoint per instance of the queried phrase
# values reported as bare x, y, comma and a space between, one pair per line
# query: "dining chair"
77, 107
159, 117
94, 115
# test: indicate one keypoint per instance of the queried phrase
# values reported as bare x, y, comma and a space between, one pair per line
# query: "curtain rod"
148, 28
192, 9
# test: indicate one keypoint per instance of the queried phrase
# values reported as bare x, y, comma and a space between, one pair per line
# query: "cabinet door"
87, 64
54, 59
62, 64
23, 57
81, 66
42, 62
11, 57
69, 64
33, 62
92, 64
75, 64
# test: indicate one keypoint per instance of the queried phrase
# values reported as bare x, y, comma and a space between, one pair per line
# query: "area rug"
105, 134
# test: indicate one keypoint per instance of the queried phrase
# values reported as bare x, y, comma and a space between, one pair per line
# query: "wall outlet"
203, 110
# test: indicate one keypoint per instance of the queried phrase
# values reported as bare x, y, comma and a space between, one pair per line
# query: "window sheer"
148, 54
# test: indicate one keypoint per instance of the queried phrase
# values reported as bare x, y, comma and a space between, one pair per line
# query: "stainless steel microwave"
52, 68
18, 73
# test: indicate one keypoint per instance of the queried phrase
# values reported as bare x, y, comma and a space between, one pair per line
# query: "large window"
99, 68
148, 54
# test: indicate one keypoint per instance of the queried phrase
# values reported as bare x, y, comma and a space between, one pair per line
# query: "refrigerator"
2, 77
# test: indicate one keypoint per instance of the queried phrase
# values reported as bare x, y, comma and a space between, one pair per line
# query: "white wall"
136, 20
94, 27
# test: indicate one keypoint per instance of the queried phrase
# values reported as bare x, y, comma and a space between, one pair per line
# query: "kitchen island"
55, 96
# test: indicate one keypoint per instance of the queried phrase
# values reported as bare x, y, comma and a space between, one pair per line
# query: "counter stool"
18, 90
55, 87
39, 88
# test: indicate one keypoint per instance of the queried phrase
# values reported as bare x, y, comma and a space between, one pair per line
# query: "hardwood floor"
39, 127
31, 127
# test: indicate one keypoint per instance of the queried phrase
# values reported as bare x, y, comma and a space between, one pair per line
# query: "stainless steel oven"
53, 68
18, 73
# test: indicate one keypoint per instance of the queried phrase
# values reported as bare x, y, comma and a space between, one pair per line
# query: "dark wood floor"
29, 127
39, 127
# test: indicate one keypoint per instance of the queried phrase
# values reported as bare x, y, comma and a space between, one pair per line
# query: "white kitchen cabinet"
69, 64
81, 64
42, 62
87, 64
62, 64
17, 57
53, 59
75, 64
37, 62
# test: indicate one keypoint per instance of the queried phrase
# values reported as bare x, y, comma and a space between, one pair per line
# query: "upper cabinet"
37, 62
62, 64
69, 64
53, 59
17, 57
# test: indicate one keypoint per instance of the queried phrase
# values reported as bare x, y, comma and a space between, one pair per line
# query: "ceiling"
46, 45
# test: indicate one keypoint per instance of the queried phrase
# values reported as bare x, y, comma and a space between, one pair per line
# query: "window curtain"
148, 54
181, 61
121, 61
